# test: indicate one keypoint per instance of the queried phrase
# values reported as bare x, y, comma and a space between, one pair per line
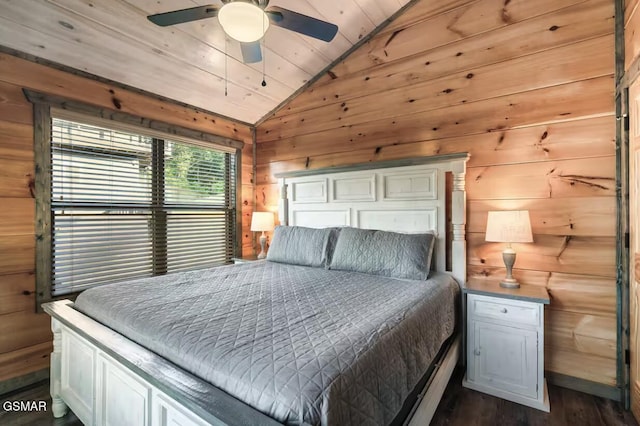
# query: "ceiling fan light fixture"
244, 22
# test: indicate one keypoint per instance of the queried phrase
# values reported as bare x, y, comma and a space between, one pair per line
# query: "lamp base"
509, 257
263, 242
509, 283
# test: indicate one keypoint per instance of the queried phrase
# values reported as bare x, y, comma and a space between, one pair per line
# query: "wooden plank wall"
631, 32
527, 89
25, 337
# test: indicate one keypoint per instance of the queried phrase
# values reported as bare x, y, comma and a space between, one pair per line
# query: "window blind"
126, 205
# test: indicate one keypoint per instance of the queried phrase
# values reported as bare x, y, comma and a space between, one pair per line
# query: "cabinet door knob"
476, 352
503, 310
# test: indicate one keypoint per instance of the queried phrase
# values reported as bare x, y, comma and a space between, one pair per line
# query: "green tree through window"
189, 170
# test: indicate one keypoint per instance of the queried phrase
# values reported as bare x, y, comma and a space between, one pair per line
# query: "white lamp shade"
509, 227
262, 221
242, 21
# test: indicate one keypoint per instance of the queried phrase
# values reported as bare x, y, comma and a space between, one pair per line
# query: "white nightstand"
505, 342
239, 260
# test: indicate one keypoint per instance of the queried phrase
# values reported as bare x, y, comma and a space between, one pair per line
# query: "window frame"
43, 107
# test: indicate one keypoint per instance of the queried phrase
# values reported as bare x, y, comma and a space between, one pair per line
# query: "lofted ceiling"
114, 40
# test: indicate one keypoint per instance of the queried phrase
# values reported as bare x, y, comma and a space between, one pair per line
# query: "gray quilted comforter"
300, 344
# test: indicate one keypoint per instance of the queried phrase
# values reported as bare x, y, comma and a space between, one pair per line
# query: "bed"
290, 340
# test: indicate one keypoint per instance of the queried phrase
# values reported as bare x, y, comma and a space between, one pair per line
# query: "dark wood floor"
39, 392
459, 407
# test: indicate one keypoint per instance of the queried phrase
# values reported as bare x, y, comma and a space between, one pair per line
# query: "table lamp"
262, 221
509, 227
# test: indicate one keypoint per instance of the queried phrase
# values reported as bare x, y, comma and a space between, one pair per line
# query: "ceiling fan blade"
302, 24
184, 15
251, 52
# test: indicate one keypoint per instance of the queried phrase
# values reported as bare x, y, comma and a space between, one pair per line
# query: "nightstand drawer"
509, 311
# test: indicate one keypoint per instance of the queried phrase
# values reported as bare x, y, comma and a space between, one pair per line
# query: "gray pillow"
298, 245
384, 253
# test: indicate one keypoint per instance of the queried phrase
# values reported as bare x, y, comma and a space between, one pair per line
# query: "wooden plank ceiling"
113, 39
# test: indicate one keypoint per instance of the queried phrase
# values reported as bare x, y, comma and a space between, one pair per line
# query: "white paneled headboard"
400, 196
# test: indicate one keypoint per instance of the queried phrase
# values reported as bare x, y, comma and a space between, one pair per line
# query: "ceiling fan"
248, 20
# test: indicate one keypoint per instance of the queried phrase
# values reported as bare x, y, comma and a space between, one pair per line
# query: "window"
126, 204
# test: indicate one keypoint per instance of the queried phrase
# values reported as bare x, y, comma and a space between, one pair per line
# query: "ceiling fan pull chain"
226, 61
264, 56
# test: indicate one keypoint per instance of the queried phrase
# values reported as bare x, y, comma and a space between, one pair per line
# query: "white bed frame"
107, 379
